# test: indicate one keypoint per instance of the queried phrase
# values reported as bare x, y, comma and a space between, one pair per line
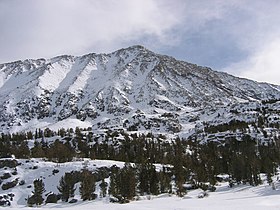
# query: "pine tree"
179, 171
37, 197
103, 188
165, 181
23, 150
29, 135
148, 179
114, 185
154, 181
37, 151
143, 179
66, 187
60, 152
87, 187
36, 134
39, 188
127, 182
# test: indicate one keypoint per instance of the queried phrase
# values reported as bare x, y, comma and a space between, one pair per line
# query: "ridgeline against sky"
240, 37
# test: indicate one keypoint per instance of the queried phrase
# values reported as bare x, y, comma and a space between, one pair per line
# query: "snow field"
224, 198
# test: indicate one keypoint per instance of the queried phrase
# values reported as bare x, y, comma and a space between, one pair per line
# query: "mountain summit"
132, 88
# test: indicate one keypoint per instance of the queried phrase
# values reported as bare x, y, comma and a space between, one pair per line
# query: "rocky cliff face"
131, 88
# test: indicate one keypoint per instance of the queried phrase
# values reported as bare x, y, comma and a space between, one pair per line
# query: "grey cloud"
45, 28
233, 34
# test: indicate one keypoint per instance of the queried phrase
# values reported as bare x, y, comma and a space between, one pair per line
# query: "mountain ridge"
116, 87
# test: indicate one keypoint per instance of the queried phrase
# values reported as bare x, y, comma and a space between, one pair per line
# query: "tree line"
125, 184
194, 162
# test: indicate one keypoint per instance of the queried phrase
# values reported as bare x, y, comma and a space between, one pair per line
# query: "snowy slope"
29, 170
239, 197
110, 90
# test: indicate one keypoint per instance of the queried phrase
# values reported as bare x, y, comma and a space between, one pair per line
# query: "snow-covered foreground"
224, 198
239, 198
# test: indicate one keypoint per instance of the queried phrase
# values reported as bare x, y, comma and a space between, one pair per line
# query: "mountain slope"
129, 87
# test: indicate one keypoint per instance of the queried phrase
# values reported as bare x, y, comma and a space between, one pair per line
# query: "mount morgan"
132, 89
155, 125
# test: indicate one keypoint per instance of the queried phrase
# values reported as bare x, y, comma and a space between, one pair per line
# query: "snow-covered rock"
132, 89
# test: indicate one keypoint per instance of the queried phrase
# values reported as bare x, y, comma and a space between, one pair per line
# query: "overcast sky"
241, 37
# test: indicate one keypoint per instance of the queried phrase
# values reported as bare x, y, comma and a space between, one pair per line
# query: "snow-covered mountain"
132, 88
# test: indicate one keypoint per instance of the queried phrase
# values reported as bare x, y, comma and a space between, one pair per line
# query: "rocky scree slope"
132, 89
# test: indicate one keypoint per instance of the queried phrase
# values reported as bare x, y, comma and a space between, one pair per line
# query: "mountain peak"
116, 89
133, 48
141, 47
